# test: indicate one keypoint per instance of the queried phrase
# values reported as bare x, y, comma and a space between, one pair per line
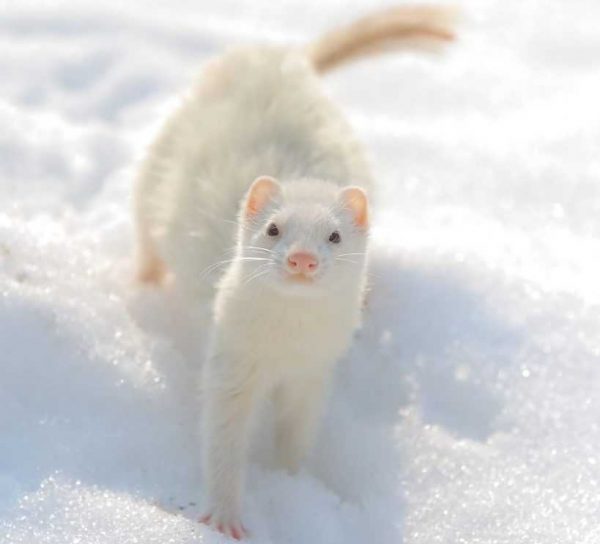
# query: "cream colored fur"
256, 111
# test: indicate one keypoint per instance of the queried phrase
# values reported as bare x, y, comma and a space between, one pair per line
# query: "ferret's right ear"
355, 199
263, 190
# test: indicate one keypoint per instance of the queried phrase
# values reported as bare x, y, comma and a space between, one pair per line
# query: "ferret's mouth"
300, 279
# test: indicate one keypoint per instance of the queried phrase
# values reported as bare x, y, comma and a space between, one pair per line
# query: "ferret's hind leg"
151, 269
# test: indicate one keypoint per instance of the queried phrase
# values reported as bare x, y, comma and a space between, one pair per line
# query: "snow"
467, 410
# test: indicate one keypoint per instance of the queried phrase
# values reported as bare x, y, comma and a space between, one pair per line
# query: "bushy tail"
413, 27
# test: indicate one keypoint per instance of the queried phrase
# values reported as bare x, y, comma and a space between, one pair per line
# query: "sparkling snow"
468, 410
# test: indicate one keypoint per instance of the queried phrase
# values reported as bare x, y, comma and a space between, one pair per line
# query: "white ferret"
259, 130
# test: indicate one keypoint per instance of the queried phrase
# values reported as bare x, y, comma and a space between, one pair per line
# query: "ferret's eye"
272, 230
335, 237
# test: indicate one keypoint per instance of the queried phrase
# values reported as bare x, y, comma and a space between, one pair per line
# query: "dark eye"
273, 230
335, 237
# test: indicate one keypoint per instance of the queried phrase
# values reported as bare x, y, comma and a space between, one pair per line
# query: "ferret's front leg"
228, 405
299, 406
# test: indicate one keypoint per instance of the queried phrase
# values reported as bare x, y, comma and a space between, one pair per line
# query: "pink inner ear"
355, 199
261, 192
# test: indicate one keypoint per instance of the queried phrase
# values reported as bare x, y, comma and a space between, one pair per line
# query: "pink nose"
305, 263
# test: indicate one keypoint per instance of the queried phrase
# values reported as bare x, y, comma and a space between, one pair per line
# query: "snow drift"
467, 410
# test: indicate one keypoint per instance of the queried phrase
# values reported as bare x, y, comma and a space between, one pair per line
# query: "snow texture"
468, 410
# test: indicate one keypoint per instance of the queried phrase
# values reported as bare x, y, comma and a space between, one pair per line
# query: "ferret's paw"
232, 529
152, 271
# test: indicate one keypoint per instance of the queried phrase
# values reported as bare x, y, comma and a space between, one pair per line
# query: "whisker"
347, 254
260, 248
231, 249
261, 271
250, 248
213, 267
256, 276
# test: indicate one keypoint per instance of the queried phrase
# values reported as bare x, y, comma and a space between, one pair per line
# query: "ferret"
258, 162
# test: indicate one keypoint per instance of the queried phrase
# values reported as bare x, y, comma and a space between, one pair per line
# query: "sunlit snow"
468, 410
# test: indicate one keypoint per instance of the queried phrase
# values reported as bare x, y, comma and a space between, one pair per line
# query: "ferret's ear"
355, 199
262, 191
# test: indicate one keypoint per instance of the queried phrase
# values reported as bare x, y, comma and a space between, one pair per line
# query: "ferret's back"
254, 111
265, 110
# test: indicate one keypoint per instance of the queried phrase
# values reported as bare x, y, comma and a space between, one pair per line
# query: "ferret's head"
304, 237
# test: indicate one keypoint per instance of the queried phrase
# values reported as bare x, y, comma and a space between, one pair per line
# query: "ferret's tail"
413, 27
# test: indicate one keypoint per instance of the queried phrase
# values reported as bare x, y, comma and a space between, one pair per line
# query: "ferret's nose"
302, 262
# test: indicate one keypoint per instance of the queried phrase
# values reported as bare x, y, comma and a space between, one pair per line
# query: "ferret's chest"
286, 337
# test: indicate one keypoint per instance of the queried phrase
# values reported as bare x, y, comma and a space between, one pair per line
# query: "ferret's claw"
238, 532
234, 530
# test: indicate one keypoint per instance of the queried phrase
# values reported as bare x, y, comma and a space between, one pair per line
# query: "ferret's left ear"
355, 199
262, 191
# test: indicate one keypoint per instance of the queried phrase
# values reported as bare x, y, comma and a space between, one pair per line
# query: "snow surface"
468, 410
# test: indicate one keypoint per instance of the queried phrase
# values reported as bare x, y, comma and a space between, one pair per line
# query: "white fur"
258, 111
271, 336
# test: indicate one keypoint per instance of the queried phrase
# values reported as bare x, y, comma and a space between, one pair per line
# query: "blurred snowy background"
468, 410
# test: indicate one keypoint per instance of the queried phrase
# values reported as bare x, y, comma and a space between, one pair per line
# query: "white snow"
468, 410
